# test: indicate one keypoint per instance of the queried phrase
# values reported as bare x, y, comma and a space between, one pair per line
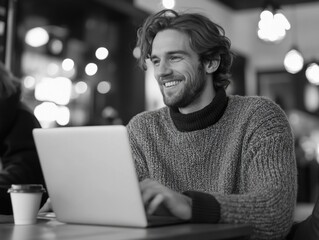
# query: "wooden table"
46, 229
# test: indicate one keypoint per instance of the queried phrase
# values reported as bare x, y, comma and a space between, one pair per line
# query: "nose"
162, 69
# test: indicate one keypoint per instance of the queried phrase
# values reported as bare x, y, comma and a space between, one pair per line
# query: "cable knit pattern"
245, 160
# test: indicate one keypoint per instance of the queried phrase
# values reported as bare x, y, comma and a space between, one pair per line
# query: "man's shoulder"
147, 117
253, 102
258, 111
258, 108
253, 99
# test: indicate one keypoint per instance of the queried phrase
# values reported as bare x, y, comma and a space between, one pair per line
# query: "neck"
204, 99
203, 118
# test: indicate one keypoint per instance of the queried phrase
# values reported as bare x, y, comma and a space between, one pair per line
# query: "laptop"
91, 178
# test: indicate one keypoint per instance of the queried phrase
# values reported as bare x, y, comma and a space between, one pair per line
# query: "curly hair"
206, 38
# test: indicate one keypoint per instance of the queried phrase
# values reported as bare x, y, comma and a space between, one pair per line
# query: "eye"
155, 61
175, 58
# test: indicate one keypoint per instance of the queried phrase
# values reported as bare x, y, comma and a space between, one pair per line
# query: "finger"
154, 204
149, 189
148, 194
146, 183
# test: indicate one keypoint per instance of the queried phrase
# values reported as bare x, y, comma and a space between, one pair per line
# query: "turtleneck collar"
203, 118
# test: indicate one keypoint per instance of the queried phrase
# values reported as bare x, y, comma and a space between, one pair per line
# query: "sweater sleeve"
268, 174
139, 157
205, 208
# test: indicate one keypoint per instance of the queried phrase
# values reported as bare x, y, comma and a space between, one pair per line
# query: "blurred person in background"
19, 163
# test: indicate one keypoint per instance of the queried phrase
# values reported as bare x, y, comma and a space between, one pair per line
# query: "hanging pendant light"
312, 73
273, 24
293, 61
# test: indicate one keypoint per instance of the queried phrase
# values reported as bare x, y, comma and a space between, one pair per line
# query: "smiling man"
206, 156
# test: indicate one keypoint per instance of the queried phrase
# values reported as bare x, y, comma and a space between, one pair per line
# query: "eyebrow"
172, 53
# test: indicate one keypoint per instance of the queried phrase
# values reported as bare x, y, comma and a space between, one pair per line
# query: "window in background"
78, 62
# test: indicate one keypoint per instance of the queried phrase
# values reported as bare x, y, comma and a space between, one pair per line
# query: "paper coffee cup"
25, 200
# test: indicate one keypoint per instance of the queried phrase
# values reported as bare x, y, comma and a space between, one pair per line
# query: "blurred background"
77, 61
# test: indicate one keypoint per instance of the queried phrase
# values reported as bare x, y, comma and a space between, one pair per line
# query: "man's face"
177, 69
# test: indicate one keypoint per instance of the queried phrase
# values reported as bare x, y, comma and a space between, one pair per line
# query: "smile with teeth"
171, 84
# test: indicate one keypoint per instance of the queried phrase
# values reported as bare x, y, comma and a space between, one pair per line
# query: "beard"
194, 86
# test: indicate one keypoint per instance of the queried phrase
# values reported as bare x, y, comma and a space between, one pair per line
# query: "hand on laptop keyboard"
161, 200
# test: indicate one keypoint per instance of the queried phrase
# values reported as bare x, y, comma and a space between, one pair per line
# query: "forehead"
170, 40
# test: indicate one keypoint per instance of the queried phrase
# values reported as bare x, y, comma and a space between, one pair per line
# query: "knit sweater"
244, 160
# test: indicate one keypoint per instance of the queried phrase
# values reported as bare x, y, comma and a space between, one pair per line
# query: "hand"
47, 207
161, 200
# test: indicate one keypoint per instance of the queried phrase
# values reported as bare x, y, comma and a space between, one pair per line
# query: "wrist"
188, 212
204, 207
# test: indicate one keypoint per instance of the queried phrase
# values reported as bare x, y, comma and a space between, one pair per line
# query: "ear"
212, 65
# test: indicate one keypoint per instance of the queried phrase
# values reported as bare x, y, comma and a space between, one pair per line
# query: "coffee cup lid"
29, 188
